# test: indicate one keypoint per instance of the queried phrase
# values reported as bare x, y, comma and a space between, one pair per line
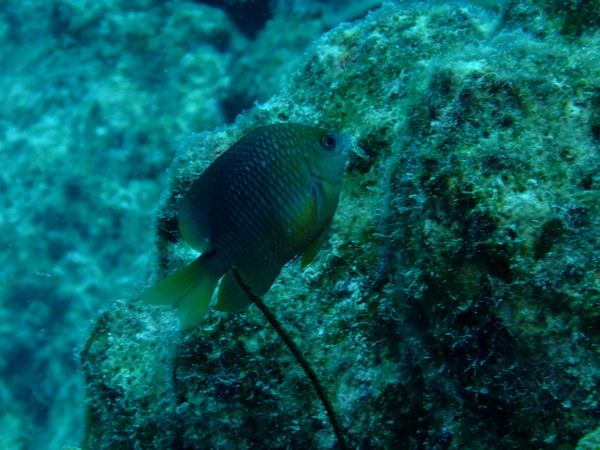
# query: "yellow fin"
191, 287
313, 248
259, 278
319, 196
231, 296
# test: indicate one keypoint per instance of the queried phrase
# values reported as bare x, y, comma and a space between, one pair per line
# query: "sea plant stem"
337, 428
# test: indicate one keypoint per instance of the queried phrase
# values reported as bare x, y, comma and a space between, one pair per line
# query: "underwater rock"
590, 441
456, 305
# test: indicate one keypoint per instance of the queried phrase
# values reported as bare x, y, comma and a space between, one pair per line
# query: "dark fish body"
267, 199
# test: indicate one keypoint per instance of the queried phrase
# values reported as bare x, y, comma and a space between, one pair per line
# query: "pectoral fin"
318, 195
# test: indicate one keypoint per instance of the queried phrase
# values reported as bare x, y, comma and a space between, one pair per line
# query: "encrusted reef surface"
456, 305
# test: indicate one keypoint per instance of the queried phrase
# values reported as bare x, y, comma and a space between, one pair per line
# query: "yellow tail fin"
192, 288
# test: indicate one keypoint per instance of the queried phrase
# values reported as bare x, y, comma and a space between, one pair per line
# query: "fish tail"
192, 288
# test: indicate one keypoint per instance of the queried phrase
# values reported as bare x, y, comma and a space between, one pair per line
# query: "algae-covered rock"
590, 441
456, 305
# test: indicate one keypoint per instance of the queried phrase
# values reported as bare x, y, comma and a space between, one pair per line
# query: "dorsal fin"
194, 222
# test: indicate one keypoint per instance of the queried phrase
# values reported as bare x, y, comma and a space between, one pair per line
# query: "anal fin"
232, 297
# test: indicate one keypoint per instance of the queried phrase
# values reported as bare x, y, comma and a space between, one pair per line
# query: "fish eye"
329, 142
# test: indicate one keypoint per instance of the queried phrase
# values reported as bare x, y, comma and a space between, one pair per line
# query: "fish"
267, 200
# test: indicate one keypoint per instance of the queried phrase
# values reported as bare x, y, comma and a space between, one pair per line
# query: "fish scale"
266, 200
